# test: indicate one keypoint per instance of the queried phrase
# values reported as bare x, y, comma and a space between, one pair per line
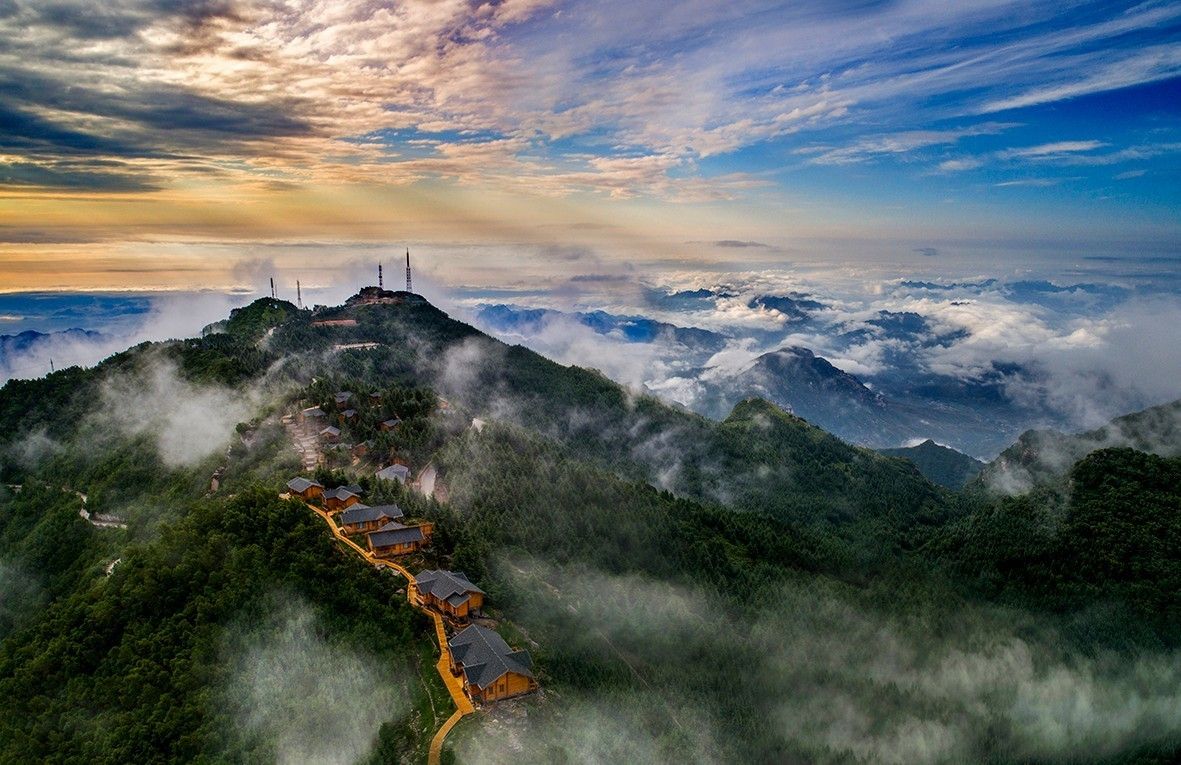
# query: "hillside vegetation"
747, 590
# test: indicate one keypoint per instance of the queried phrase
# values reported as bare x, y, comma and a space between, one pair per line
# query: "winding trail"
463, 705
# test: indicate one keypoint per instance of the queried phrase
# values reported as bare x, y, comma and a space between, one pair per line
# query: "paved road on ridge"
463, 705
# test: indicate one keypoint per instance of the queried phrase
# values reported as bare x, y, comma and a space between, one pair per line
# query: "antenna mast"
272, 288
409, 284
379, 282
298, 296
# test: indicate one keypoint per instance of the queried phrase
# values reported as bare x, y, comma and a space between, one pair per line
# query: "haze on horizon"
158, 145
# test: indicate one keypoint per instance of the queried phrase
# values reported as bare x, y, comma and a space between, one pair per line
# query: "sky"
161, 160
153, 145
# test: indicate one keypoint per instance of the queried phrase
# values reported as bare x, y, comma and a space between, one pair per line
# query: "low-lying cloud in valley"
978, 360
314, 701
188, 422
835, 678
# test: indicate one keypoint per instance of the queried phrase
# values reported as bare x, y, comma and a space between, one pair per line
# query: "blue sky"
153, 145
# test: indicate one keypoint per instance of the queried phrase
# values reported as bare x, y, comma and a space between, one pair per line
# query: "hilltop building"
394, 539
305, 488
361, 518
399, 473
341, 498
449, 592
490, 669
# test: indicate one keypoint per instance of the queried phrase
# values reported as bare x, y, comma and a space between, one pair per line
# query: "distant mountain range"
905, 404
30, 351
1042, 456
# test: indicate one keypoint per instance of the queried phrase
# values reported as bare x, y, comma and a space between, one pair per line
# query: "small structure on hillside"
102, 520
305, 488
361, 449
342, 397
348, 415
362, 519
490, 669
450, 593
375, 398
394, 539
335, 323
341, 497
388, 425
399, 473
330, 434
312, 414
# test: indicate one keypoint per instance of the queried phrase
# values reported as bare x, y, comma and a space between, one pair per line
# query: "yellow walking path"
463, 705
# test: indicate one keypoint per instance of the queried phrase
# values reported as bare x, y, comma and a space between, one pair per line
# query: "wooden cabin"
348, 415
305, 488
342, 398
450, 593
374, 399
394, 539
341, 498
311, 416
388, 425
361, 449
360, 518
490, 669
399, 473
330, 434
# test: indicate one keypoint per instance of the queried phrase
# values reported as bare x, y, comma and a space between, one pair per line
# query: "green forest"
750, 590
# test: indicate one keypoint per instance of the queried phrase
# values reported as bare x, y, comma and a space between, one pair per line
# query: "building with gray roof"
399, 473
491, 670
450, 592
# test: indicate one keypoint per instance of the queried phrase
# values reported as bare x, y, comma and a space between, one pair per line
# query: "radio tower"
379, 283
409, 284
298, 296
272, 288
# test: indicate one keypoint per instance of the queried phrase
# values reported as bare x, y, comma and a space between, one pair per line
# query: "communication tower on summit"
379, 282
409, 284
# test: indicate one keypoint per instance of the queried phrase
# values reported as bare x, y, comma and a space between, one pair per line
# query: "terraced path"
463, 705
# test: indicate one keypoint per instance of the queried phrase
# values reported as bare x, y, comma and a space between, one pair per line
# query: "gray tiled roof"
343, 396
394, 533
299, 484
331, 430
394, 473
364, 514
341, 493
485, 657
451, 586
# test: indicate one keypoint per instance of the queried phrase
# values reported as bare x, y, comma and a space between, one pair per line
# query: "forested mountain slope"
746, 590
1041, 456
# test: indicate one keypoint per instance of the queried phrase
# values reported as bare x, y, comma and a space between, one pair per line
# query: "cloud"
527, 93
1134, 67
311, 701
969, 683
959, 165
1050, 150
188, 422
739, 243
1031, 182
897, 144
125, 322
